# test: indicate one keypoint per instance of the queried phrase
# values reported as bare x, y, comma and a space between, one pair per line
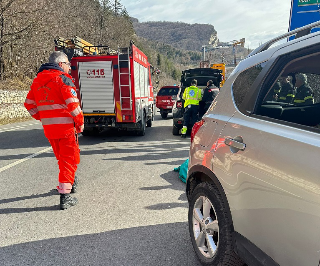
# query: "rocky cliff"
178, 34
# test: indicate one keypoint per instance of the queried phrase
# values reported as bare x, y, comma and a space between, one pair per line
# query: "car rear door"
270, 172
273, 187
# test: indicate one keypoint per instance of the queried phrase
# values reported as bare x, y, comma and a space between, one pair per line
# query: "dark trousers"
204, 108
190, 115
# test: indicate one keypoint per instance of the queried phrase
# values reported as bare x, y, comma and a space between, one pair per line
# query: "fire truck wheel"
142, 130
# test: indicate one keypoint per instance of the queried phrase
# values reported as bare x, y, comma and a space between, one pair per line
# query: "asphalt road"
132, 206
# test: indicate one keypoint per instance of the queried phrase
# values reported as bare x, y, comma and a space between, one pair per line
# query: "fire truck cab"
114, 89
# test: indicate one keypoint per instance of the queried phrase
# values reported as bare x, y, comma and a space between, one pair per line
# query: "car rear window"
168, 91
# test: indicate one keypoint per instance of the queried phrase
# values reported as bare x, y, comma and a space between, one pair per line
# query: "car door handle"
235, 143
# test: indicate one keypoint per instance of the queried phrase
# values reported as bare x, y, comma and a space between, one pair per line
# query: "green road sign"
308, 2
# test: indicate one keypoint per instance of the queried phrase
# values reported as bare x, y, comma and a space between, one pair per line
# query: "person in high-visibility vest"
52, 99
191, 96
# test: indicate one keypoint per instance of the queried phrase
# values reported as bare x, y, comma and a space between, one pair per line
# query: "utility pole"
204, 52
222, 57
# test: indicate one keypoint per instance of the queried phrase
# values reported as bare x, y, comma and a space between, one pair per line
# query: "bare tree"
28, 29
15, 23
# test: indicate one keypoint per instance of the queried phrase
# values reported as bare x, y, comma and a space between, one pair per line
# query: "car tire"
142, 130
164, 115
211, 232
149, 122
175, 130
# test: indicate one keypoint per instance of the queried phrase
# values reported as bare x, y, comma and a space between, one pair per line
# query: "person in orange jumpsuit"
52, 99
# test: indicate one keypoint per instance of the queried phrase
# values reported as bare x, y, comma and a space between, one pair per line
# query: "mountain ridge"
178, 34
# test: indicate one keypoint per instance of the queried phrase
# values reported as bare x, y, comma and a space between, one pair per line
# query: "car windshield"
168, 91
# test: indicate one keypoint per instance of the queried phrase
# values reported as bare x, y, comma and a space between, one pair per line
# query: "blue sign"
304, 12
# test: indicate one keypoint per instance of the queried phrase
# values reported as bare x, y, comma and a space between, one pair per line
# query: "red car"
166, 98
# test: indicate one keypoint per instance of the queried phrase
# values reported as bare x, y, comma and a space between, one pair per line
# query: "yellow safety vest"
192, 95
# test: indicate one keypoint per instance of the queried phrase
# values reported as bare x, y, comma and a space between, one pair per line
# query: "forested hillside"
28, 29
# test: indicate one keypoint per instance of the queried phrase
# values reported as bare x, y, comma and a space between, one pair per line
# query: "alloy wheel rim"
205, 227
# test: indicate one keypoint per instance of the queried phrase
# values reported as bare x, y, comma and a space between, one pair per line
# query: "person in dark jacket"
210, 92
286, 93
304, 94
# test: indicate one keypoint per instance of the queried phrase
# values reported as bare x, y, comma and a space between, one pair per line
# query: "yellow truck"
222, 67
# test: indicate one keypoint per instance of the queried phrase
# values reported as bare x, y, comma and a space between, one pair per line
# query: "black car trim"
250, 253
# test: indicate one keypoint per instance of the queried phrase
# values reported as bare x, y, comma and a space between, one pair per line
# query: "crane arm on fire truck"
76, 43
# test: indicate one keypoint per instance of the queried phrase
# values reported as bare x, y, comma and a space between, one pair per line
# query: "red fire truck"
114, 87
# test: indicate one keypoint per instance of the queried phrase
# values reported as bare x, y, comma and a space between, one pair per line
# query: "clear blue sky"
255, 20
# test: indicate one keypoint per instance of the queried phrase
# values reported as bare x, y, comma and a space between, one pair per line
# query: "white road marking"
23, 160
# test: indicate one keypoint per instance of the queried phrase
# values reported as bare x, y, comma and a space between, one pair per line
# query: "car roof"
297, 33
265, 51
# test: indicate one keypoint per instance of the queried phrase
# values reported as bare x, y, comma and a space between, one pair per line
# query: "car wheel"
210, 227
149, 122
175, 130
164, 115
142, 130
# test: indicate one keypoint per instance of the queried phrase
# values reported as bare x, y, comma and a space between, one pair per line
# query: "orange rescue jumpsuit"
52, 99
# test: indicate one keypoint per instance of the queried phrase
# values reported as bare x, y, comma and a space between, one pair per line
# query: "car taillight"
179, 104
195, 128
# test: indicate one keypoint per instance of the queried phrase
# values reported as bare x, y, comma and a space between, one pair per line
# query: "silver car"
254, 168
